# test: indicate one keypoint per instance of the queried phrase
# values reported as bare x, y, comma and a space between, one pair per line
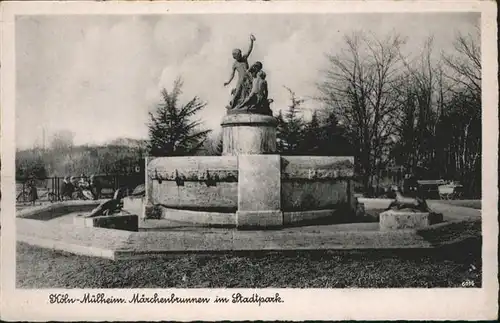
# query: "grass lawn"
445, 267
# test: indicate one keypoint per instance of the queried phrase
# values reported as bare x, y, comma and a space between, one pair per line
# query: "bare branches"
465, 63
359, 86
393, 105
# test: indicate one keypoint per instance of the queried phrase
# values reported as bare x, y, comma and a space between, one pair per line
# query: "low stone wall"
435, 205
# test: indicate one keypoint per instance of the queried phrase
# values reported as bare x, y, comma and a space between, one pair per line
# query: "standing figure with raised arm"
240, 65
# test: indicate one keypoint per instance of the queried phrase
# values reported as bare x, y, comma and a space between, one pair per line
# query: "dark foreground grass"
445, 267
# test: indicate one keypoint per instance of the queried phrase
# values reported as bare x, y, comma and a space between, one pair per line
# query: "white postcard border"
299, 304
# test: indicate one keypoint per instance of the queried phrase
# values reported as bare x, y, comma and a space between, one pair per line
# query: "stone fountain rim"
248, 119
123, 245
118, 244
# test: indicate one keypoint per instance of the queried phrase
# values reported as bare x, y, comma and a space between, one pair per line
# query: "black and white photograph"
257, 151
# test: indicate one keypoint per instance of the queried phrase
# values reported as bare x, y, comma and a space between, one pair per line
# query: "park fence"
49, 188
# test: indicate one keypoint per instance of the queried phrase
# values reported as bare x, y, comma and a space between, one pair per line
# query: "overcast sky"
100, 75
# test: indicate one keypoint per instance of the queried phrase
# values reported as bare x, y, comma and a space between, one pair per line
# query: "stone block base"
259, 219
127, 222
134, 205
396, 220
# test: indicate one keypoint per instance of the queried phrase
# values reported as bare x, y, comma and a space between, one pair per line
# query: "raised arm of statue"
250, 47
231, 77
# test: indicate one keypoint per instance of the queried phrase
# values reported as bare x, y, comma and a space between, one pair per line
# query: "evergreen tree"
212, 146
333, 138
171, 130
219, 147
280, 132
311, 143
291, 132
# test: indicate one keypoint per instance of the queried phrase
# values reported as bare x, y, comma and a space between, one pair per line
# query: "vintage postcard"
249, 161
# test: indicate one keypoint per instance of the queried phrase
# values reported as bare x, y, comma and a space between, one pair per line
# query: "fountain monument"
250, 185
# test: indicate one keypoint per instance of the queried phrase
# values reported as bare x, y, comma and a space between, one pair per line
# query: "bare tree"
465, 64
359, 87
421, 99
464, 109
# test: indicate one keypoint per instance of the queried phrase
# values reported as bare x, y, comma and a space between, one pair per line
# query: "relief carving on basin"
316, 167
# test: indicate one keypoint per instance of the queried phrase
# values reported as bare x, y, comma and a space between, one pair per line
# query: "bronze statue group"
251, 92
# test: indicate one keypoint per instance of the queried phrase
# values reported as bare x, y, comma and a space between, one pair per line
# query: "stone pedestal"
134, 205
248, 134
259, 191
397, 220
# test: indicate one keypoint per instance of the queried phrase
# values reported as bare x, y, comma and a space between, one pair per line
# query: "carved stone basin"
250, 185
250, 190
194, 183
